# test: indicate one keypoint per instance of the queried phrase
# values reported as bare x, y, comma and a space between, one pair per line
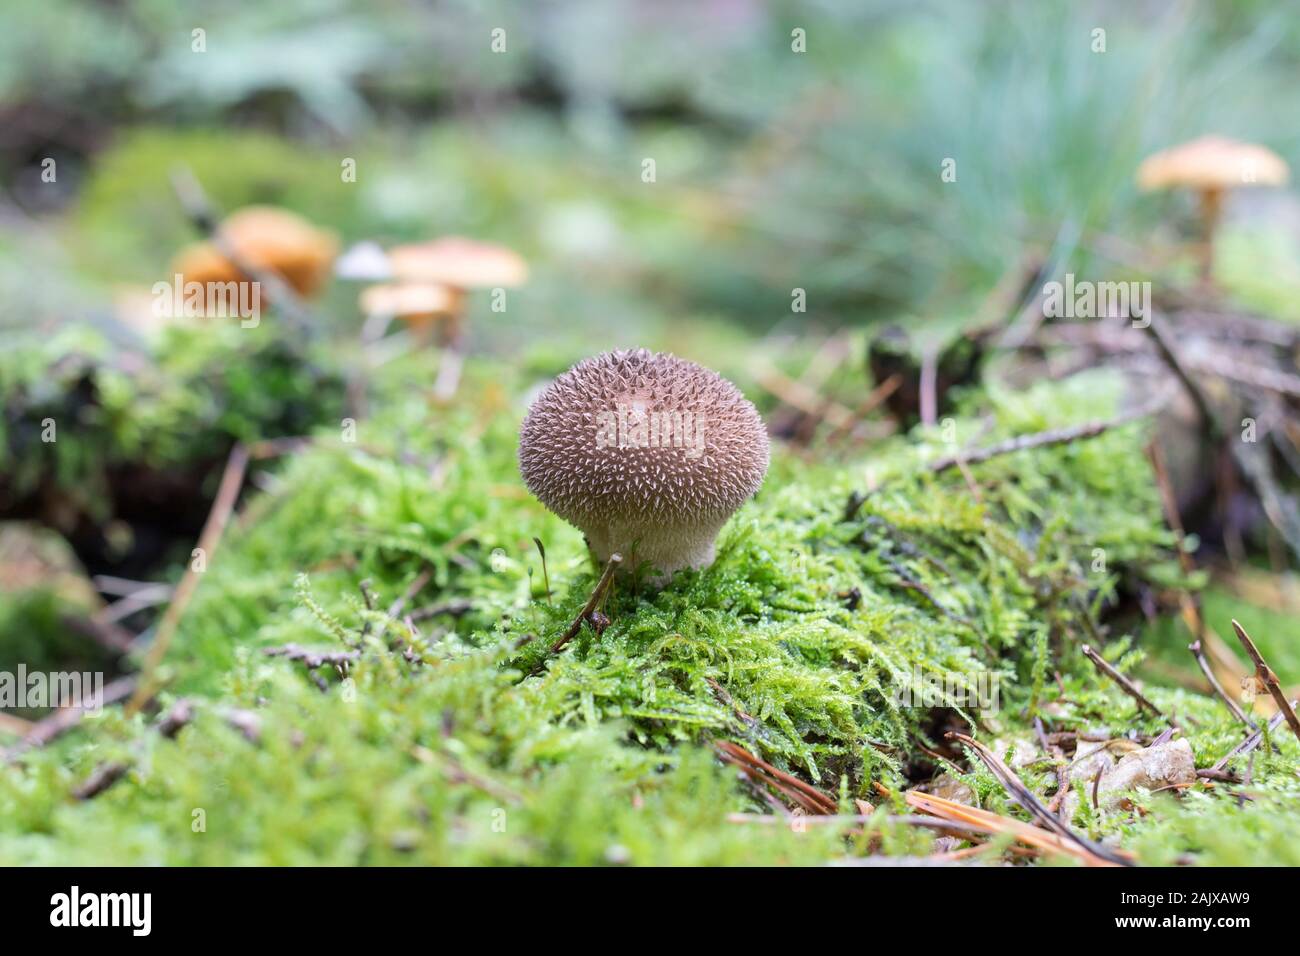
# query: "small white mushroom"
648, 454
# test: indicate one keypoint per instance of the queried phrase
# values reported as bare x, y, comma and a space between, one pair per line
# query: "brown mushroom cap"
411, 301
647, 453
459, 263
266, 238
1212, 163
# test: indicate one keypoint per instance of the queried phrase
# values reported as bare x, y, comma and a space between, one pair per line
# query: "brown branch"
181, 713
17, 726
1252, 741
1195, 648
804, 398
1025, 797
312, 659
223, 505
929, 385
1265, 674
1169, 352
412, 589
108, 635
804, 795
57, 724
103, 777
1125, 684
592, 602
597, 595
868, 405
455, 608
1056, 436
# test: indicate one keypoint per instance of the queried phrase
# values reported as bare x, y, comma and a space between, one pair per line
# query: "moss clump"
82, 411
470, 743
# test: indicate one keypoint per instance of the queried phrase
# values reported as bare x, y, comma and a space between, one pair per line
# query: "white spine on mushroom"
646, 453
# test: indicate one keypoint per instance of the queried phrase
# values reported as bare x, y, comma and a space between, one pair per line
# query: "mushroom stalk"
1211, 213
666, 547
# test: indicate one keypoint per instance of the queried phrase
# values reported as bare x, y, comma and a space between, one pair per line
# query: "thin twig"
1025, 797
312, 658
1169, 351
1252, 741
804, 398
453, 608
1195, 648
1125, 684
103, 777
1265, 674
61, 721
1056, 436
412, 589
111, 637
451, 361
928, 386
223, 505
592, 603
803, 794
597, 594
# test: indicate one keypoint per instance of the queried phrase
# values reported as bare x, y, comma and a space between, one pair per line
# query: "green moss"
472, 743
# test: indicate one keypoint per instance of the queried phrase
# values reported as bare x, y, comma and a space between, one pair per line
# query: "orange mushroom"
1211, 166
419, 305
263, 237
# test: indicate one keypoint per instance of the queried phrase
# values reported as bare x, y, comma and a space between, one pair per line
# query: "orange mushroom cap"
459, 263
1211, 163
413, 302
266, 238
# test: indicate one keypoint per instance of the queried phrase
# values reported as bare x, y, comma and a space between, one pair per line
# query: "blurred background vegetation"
796, 146
775, 169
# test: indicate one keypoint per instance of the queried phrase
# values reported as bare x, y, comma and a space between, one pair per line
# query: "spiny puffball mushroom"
648, 454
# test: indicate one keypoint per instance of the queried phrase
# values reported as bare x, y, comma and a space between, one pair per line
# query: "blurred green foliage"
775, 170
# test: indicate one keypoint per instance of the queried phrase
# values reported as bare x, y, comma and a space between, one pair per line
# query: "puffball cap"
1213, 162
580, 459
459, 263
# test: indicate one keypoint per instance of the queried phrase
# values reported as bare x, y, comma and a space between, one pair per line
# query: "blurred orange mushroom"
459, 263
263, 237
420, 305
1212, 165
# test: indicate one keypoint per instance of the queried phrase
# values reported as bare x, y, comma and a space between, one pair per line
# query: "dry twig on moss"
1025, 797
61, 721
1125, 684
1252, 741
803, 795
1054, 436
1265, 675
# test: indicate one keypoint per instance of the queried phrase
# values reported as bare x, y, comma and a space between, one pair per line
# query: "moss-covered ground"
458, 737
